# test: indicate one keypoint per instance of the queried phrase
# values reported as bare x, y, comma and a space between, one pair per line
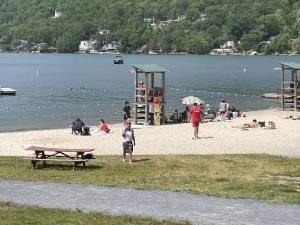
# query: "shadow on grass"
140, 160
66, 167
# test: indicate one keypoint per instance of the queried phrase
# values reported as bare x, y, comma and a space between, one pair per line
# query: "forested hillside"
197, 27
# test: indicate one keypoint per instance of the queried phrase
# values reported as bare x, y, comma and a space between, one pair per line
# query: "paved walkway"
198, 209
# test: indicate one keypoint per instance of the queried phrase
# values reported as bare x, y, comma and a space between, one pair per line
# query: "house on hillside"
181, 18
110, 48
147, 20
87, 46
228, 44
57, 14
202, 17
25, 46
228, 48
154, 25
164, 23
104, 32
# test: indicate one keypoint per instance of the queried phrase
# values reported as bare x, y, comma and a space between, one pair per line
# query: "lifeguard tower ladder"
290, 88
149, 94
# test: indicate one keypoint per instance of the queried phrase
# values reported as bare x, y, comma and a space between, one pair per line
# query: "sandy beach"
215, 138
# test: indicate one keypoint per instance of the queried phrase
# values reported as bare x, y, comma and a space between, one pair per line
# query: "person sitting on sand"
292, 117
175, 117
103, 128
185, 115
253, 124
77, 126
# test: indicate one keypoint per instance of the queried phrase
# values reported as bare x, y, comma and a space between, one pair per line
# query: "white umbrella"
190, 100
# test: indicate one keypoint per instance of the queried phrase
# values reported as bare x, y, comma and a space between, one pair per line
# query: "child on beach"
103, 128
128, 140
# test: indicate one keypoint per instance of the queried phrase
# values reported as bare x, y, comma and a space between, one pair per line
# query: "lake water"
53, 89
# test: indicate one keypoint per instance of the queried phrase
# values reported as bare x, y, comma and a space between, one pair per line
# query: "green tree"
199, 43
281, 43
250, 41
296, 45
68, 43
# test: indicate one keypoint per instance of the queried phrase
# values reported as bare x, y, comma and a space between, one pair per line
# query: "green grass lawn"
11, 214
264, 177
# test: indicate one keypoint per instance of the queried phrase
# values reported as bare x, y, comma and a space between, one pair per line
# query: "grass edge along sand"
269, 178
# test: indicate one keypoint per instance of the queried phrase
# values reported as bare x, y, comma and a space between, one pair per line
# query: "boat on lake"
7, 91
118, 60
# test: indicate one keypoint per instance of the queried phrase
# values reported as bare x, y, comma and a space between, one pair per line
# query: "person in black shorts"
126, 111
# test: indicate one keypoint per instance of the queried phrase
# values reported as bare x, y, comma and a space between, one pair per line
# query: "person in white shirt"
223, 109
128, 140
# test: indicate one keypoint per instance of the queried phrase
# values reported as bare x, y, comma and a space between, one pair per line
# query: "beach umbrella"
190, 100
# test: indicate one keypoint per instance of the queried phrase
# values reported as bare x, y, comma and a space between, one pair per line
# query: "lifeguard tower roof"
291, 65
149, 68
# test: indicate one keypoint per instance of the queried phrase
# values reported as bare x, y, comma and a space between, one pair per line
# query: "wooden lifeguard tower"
149, 94
290, 88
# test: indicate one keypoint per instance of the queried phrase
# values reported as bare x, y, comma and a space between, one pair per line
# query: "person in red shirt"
195, 113
103, 128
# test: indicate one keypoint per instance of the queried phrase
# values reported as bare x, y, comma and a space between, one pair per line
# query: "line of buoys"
212, 92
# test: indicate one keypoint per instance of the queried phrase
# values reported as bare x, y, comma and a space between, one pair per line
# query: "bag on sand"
86, 131
272, 125
88, 156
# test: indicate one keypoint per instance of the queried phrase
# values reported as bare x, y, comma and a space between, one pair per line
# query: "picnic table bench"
44, 154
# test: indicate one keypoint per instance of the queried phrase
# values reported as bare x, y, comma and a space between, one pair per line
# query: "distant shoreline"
157, 54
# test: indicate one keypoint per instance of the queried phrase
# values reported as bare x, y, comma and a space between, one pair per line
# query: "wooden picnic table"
43, 154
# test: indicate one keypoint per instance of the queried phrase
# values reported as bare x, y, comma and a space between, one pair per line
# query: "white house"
57, 14
181, 18
147, 20
228, 44
104, 32
202, 16
112, 48
86, 46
